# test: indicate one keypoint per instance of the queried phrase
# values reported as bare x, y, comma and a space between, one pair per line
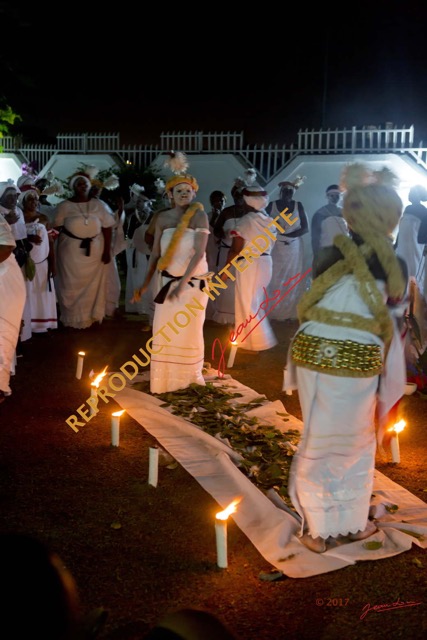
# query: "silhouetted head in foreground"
40, 598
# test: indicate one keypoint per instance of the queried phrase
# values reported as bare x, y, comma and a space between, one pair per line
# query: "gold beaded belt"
337, 357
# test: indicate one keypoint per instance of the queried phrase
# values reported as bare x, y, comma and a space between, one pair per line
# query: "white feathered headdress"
90, 170
177, 162
250, 176
55, 188
112, 182
160, 185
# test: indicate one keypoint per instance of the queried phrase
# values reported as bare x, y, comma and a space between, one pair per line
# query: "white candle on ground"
221, 543
221, 533
153, 466
232, 355
115, 427
287, 391
394, 441
79, 369
395, 449
94, 402
13, 364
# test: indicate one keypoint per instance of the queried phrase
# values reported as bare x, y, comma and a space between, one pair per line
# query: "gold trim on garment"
337, 357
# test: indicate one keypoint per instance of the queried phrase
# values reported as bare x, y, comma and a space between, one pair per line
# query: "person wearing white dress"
178, 259
288, 251
223, 229
252, 329
328, 221
347, 362
12, 300
14, 215
408, 245
82, 253
41, 295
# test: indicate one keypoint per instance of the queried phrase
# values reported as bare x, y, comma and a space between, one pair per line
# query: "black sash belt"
243, 257
161, 296
85, 242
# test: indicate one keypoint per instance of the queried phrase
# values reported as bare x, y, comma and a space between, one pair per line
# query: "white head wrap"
8, 184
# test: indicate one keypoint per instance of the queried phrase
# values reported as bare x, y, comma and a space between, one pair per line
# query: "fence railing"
268, 160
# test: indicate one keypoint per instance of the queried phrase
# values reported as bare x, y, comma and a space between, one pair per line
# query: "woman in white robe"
41, 295
83, 251
408, 246
178, 258
288, 251
12, 300
252, 329
346, 345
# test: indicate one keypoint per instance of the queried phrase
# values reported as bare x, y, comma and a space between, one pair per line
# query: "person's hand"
106, 257
34, 238
175, 294
137, 294
12, 216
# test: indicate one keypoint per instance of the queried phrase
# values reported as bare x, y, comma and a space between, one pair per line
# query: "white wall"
212, 172
218, 171
10, 167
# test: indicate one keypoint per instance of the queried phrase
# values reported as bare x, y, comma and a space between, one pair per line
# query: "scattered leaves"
271, 576
373, 545
266, 451
419, 536
417, 563
391, 508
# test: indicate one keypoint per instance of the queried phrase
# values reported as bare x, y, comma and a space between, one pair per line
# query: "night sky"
141, 71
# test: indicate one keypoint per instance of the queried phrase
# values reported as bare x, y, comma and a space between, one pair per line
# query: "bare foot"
361, 535
318, 545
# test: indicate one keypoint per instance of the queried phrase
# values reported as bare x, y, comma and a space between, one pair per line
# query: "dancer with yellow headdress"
349, 362
179, 257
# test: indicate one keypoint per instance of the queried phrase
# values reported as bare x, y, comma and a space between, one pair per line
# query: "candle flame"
118, 413
223, 515
98, 378
234, 343
398, 427
81, 353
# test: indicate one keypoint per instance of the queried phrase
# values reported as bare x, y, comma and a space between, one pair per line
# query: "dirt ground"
140, 552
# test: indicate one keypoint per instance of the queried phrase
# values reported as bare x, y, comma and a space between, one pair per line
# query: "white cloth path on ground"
271, 528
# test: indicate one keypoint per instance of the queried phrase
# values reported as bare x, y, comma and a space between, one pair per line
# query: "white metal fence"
268, 160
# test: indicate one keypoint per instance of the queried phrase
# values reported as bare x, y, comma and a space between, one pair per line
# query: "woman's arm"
5, 251
107, 232
304, 224
151, 229
218, 227
152, 262
236, 247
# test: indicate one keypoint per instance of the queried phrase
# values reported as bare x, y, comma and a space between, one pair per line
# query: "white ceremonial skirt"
179, 361
332, 473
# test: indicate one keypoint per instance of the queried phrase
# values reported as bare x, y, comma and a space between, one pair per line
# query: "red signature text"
265, 307
399, 604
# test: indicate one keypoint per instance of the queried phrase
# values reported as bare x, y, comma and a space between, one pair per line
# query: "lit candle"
232, 354
153, 466
287, 391
93, 400
394, 442
115, 427
221, 533
80, 359
13, 364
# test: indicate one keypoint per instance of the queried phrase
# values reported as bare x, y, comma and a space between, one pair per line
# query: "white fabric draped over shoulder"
12, 300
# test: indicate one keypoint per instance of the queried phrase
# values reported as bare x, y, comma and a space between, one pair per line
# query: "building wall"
218, 171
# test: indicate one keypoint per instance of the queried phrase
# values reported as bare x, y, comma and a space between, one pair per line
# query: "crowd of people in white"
62, 264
